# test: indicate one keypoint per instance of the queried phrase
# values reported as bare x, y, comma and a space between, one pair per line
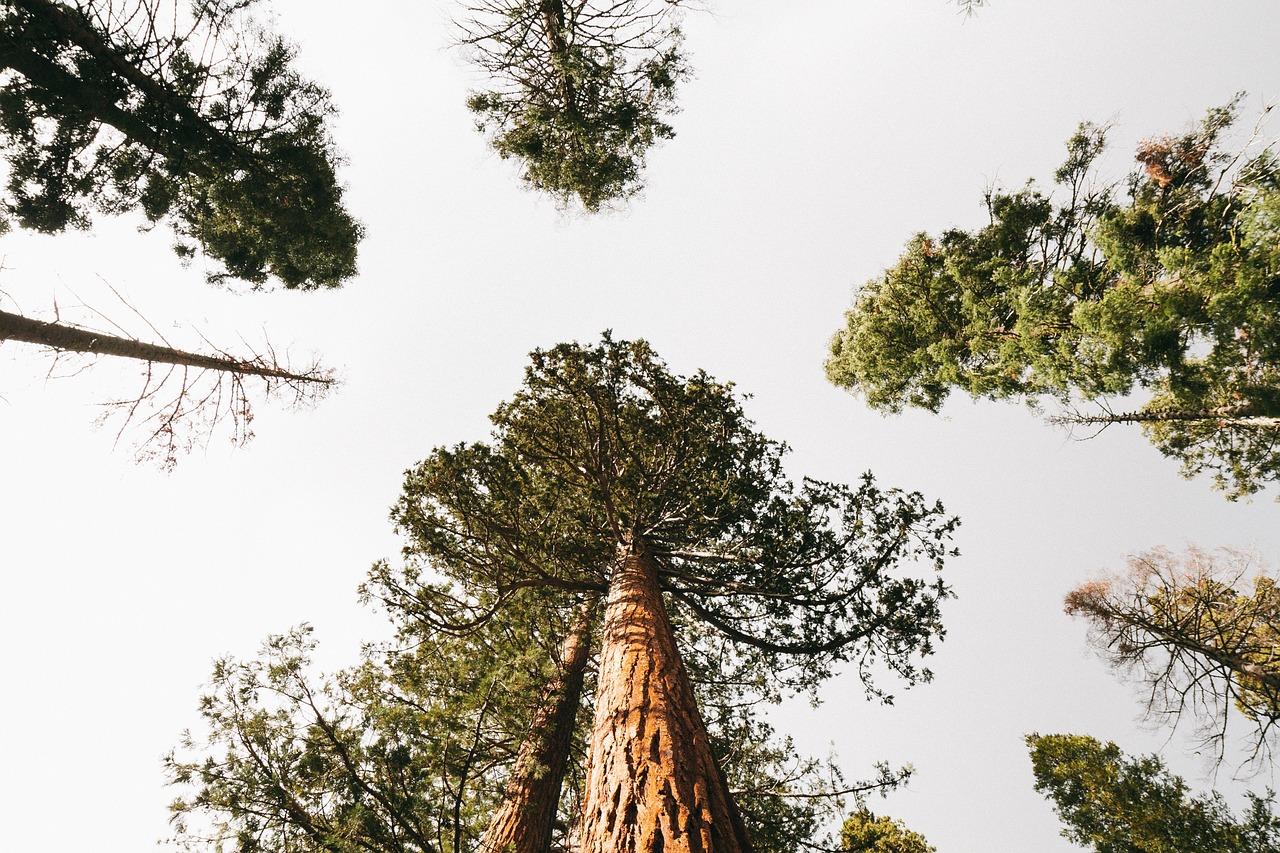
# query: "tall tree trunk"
652, 783
526, 818
15, 327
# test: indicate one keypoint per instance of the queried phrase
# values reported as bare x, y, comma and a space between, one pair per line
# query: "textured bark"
15, 327
652, 783
525, 820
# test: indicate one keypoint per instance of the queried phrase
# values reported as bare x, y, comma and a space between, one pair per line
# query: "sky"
814, 139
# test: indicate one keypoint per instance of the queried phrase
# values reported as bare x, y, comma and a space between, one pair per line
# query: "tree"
460, 727
406, 752
1199, 630
608, 475
1172, 290
863, 832
194, 118
580, 89
1111, 803
184, 395
419, 747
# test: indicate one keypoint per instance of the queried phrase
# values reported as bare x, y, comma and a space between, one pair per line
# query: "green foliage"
863, 832
603, 445
580, 90
1200, 630
405, 753
1111, 803
769, 585
195, 119
1174, 289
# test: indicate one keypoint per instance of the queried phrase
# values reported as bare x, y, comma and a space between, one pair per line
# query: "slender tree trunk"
553, 22
15, 327
652, 783
526, 818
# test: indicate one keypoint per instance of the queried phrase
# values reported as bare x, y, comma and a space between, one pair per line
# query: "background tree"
191, 115
580, 89
184, 395
1199, 630
863, 832
408, 752
609, 475
1172, 290
1111, 803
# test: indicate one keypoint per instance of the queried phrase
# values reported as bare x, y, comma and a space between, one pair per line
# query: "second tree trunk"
525, 820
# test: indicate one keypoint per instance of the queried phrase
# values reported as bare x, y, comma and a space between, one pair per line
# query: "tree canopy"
864, 832
1084, 295
1111, 803
604, 444
1199, 630
580, 89
607, 469
191, 115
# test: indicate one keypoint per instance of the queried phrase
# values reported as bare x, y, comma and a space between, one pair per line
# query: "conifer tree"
608, 475
1087, 295
1199, 630
580, 89
1112, 803
189, 114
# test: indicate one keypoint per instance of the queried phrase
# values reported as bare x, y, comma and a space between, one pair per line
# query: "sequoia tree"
580, 89
1112, 803
608, 475
189, 114
1172, 289
1201, 632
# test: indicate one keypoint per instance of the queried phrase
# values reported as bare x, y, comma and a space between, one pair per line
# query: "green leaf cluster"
407, 752
1173, 289
199, 122
580, 92
863, 832
1112, 803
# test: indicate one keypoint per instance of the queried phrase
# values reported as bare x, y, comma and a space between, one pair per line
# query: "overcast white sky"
815, 138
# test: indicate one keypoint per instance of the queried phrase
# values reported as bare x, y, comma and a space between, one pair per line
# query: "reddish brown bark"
652, 783
525, 820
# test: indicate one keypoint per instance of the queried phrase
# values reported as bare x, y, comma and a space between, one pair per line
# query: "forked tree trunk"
525, 820
652, 783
